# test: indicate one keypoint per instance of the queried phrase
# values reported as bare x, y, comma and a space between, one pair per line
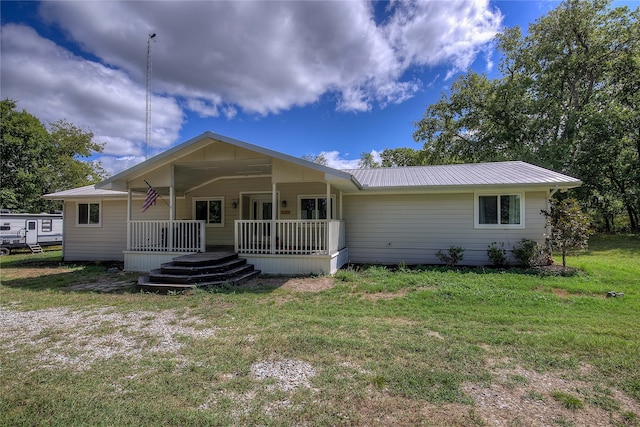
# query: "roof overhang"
190, 172
435, 189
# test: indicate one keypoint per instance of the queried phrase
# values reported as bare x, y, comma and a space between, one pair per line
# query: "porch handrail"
166, 236
297, 237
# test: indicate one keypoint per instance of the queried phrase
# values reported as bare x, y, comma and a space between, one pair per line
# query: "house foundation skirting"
144, 262
298, 264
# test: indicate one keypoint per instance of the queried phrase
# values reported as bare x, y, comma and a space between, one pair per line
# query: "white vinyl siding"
104, 243
391, 229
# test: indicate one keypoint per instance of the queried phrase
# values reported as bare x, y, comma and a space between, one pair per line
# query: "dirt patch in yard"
518, 396
295, 284
30, 273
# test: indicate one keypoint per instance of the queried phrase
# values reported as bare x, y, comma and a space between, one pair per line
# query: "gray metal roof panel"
496, 173
88, 191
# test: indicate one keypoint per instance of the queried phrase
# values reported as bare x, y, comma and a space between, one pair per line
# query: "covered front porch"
272, 246
282, 213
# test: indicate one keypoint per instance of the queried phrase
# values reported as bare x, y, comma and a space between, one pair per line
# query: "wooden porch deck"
213, 254
218, 266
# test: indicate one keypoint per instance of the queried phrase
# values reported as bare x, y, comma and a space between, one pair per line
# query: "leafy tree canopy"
568, 99
37, 160
320, 159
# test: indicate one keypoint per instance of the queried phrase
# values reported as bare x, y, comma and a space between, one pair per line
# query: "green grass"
383, 343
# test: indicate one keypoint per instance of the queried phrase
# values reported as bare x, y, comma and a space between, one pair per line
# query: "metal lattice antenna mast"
148, 117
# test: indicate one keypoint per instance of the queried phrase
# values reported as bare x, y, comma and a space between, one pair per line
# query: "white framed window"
499, 210
47, 225
209, 209
89, 214
315, 207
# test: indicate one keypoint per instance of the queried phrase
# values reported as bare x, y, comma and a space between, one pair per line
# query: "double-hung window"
499, 210
312, 207
89, 214
210, 210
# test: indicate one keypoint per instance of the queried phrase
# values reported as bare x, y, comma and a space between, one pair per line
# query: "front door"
261, 208
31, 232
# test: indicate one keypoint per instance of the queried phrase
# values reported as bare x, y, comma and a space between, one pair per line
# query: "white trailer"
20, 230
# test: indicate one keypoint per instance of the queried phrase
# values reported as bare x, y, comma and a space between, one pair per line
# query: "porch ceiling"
191, 175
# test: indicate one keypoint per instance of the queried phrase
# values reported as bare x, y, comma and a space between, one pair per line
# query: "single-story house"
286, 215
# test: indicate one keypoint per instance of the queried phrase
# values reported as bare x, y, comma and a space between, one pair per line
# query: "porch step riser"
203, 270
160, 277
201, 262
169, 268
144, 283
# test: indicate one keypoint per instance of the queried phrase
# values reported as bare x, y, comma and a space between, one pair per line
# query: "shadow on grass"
58, 276
91, 277
546, 270
258, 285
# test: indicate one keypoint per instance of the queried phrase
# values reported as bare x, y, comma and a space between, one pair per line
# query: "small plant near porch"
497, 254
452, 257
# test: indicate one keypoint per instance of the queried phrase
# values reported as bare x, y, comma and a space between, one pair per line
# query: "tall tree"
367, 161
36, 161
567, 99
318, 158
400, 157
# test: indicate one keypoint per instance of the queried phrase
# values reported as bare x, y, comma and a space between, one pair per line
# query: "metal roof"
417, 178
474, 174
88, 191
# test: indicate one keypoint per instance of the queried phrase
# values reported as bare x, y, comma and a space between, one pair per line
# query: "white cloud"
336, 160
115, 164
53, 84
221, 59
267, 57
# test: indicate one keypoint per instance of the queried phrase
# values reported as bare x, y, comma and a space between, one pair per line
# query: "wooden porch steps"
202, 270
35, 248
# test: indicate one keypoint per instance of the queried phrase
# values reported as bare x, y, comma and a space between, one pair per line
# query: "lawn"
370, 346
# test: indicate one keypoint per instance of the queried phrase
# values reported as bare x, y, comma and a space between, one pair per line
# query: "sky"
330, 77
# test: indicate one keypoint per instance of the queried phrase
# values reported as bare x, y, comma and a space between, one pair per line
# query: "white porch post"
327, 234
172, 215
340, 204
274, 214
329, 213
129, 197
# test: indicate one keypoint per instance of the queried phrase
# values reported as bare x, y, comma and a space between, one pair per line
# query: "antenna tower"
148, 116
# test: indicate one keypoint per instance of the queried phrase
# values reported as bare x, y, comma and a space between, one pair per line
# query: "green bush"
528, 253
497, 254
452, 257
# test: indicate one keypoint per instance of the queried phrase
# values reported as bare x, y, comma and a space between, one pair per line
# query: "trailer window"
47, 225
5, 228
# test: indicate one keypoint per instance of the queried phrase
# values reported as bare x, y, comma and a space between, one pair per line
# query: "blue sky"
300, 77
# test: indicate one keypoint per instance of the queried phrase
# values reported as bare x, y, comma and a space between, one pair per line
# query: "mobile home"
21, 230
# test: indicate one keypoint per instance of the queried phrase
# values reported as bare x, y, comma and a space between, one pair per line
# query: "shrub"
528, 253
570, 227
497, 254
452, 257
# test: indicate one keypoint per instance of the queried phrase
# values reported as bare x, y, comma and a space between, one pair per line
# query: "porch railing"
166, 236
296, 237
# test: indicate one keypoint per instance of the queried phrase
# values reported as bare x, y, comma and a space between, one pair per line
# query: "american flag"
152, 196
